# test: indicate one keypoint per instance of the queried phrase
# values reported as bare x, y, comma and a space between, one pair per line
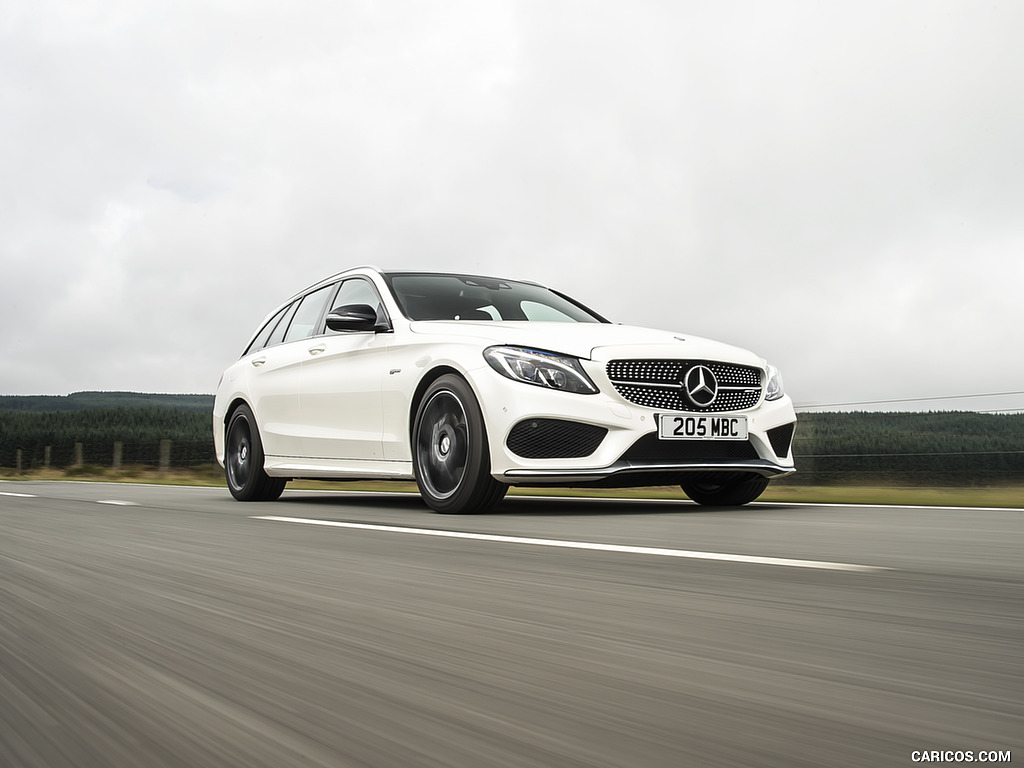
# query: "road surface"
152, 626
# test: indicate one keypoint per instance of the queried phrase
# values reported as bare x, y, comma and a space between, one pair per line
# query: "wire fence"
939, 469
914, 468
919, 448
163, 454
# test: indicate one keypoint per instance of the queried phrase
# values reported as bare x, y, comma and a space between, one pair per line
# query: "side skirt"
354, 469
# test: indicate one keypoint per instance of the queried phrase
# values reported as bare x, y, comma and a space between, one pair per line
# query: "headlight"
542, 369
774, 389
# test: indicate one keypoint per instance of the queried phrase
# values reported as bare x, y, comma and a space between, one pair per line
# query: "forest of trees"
80, 401
934, 448
943, 448
139, 430
137, 420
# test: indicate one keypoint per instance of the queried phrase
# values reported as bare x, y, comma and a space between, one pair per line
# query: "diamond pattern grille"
659, 384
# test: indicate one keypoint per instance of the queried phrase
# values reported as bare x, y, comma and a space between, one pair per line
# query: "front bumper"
625, 473
629, 453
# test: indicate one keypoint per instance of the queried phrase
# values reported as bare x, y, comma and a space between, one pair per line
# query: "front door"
342, 375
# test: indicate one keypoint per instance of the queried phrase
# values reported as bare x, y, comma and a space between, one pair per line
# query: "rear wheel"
730, 494
450, 451
243, 460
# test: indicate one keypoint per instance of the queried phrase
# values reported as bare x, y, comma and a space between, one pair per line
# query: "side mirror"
352, 317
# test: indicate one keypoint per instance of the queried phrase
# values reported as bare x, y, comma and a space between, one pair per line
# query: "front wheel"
450, 451
732, 494
243, 460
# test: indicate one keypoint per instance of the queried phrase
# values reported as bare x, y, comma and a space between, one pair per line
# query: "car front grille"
554, 439
650, 449
659, 384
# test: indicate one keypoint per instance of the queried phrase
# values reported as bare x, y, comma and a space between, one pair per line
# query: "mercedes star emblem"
701, 386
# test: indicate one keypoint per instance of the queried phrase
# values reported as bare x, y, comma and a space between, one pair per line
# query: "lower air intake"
554, 439
781, 439
650, 449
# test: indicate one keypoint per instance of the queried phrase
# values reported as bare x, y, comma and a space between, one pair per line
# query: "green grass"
1011, 496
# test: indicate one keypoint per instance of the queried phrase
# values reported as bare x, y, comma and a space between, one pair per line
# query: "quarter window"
278, 335
261, 339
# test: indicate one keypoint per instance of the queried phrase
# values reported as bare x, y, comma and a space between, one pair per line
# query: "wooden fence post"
46, 456
18, 461
165, 455
79, 452
118, 454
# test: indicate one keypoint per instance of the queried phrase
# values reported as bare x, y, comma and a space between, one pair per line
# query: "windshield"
465, 297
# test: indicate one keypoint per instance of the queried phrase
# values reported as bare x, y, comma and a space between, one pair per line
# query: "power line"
900, 455
907, 400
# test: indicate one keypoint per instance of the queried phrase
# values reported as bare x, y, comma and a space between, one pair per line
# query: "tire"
243, 460
734, 494
450, 453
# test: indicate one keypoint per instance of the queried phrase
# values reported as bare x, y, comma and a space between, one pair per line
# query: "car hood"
595, 341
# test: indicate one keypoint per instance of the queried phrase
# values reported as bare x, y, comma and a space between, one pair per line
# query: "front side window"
465, 297
359, 291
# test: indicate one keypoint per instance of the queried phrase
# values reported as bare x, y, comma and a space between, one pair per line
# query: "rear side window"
310, 309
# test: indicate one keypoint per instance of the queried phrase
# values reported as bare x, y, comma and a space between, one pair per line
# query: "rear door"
275, 373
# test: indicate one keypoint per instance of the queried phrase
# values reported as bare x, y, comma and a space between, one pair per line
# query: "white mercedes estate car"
472, 384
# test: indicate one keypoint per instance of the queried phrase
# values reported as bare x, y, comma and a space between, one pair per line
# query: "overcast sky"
837, 186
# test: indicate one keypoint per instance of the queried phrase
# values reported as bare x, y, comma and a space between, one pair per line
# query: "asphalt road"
164, 626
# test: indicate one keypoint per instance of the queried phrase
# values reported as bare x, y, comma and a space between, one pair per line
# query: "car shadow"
530, 506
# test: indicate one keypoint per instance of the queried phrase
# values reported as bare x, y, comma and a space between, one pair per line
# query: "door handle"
317, 349
258, 361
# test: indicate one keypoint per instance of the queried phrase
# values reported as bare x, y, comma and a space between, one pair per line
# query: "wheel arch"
221, 419
424, 384
467, 484
233, 406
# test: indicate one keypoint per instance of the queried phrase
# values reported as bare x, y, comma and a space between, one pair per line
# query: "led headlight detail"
774, 389
542, 369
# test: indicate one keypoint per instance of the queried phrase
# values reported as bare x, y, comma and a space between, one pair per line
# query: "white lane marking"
693, 555
860, 505
19, 495
118, 502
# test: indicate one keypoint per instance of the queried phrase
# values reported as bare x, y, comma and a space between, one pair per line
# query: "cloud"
837, 187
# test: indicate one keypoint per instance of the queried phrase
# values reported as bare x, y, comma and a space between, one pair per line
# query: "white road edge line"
693, 555
665, 501
19, 495
118, 502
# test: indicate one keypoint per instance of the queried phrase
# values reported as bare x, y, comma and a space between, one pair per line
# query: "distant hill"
82, 401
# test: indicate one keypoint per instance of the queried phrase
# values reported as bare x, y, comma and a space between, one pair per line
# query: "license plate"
690, 427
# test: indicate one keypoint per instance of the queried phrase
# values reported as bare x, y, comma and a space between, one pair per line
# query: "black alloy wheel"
243, 460
450, 451
732, 494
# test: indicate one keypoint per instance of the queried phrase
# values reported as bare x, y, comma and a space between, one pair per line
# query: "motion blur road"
165, 626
